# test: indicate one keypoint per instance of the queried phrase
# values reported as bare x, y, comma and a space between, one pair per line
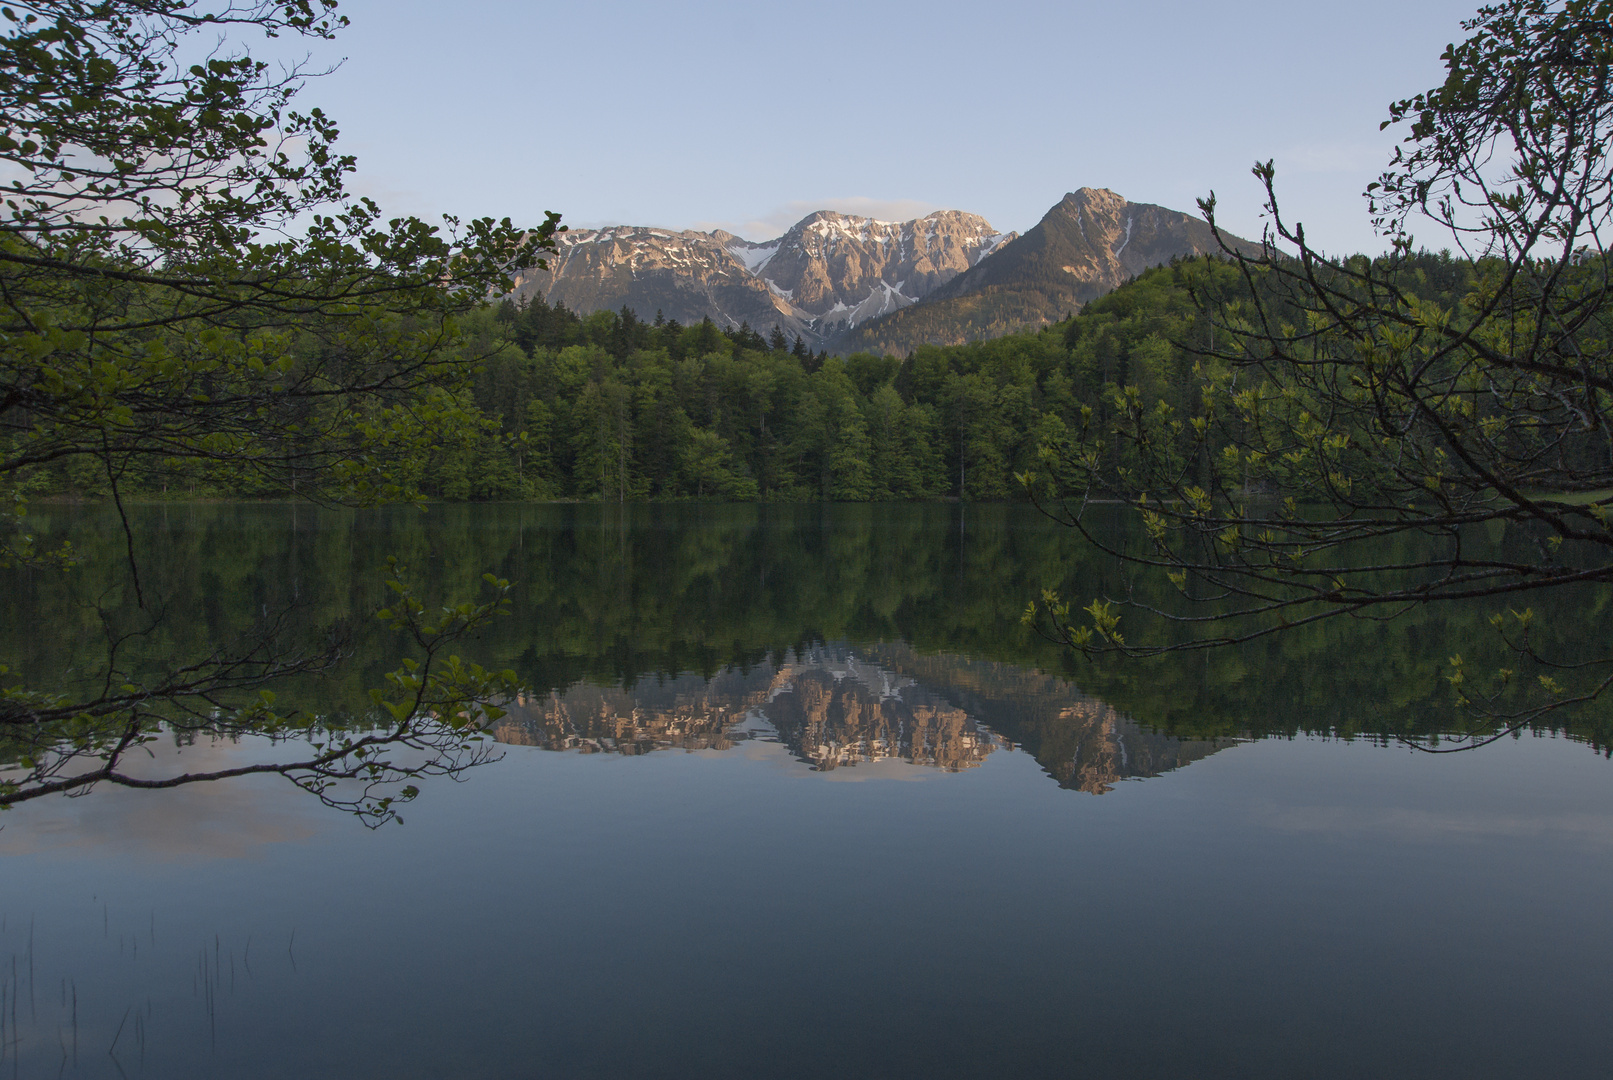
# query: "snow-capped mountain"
854, 283
829, 273
835, 271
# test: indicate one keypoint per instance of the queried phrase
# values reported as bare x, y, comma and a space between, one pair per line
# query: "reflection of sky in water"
716, 881
193, 823
1261, 912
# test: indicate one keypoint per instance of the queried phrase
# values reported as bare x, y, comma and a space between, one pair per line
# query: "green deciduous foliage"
1339, 402
189, 297
189, 300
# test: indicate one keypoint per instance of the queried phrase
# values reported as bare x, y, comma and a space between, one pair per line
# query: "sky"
748, 116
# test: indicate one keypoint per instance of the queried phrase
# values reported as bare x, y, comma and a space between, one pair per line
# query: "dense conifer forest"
613, 407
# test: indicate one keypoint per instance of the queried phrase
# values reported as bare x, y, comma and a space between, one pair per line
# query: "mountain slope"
829, 273
1088, 244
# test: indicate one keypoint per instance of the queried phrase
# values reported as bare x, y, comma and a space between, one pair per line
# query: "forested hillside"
612, 407
1090, 243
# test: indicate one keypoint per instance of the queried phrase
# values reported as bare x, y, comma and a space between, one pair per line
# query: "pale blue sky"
746, 116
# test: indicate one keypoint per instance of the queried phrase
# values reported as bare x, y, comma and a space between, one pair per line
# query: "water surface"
794, 794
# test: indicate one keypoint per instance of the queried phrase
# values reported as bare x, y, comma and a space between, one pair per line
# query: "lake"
793, 793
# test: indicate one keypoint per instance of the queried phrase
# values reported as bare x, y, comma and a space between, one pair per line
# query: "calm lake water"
795, 795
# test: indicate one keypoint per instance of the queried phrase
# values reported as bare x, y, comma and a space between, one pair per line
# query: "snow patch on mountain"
1127, 240
992, 243
754, 257
882, 299
827, 272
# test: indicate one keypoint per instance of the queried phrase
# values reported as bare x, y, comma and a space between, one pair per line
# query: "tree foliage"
186, 287
1343, 401
185, 282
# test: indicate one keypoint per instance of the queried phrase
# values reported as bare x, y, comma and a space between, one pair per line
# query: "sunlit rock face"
840, 271
849, 283
838, 706
828, 273
1088, 244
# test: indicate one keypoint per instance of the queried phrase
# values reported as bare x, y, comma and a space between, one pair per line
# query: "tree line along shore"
612, 407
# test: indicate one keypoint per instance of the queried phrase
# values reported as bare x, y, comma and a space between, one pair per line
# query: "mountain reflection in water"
848, 634
838, 705
728, 912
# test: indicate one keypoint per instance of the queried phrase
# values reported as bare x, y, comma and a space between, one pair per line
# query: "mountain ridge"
847, 283
1087, 244
826, 274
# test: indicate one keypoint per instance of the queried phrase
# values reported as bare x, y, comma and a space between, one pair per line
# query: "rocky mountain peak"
1090, 242
826, 273
838, 270
1099, 199
848, 282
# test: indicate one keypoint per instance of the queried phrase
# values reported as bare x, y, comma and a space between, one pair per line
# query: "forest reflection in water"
642, 625
627, 598
684, 890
